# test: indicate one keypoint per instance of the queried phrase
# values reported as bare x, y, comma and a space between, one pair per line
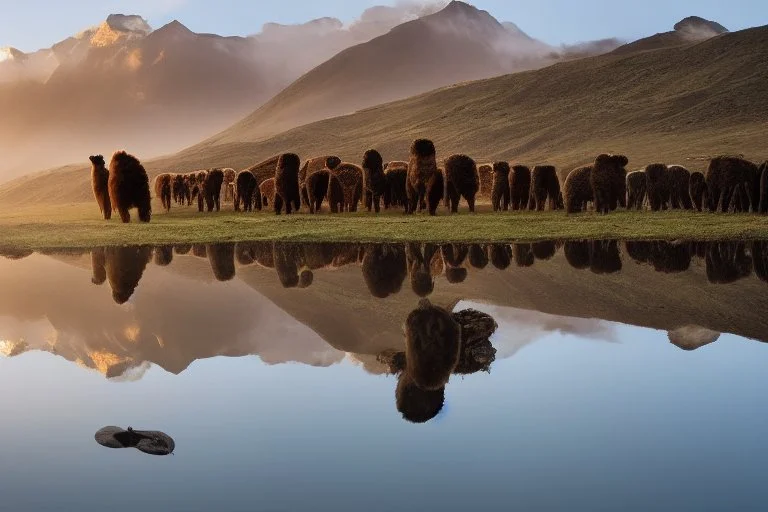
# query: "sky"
34, 24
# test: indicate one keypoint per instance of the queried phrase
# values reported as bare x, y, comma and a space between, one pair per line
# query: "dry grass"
78, 225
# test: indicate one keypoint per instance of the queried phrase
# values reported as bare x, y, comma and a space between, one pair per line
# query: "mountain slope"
123, 85
456, 44
678, 104
689, 30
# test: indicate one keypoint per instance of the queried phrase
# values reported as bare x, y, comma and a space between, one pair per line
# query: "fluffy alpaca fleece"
267, 191
433, 340
100, 185
609, 182
545, 188
657, 186
461, 180
129, 187
312, 166
163, 190
230, 175
395, 176
180, 189
519, 186
345, 188
636, 190
374, 182
500, 188
246, 192
316, 187
287, 194
422, 167
577, 190
211, 189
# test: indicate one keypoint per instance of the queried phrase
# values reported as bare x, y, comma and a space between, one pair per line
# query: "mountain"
679, 104
689, 30
456, 44
124, 85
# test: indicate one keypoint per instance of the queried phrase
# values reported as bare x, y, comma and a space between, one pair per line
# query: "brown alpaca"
395, 176
519, 186
192, 187
697, 189
312, 166
198, 191
422, 167
345, 188
100, 185
373, 179
577, 190
545, 188
246, 192
679, 180
730, 184
486, 177
210, 190
267, 191
500, 187
229, 181
609, 182
180, 189
636, 189
763, 172
433, 340
129, 187
163, 190
657, 186
461, 180
316, 187
287, 194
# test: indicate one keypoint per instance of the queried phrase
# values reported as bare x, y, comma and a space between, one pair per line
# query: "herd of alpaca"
285, 185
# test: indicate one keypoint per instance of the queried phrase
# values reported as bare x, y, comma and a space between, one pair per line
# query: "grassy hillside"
679, 105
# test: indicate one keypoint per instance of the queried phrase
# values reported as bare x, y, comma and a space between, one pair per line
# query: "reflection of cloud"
519, 327
172, 322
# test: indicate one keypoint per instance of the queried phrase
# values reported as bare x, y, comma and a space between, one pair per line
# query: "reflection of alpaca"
415, 404
222, 259
124, 268
98, 260
419, 269
384, 269
433, 339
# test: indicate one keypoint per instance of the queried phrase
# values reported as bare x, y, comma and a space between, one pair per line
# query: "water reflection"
350, 300
438, 344
385, 266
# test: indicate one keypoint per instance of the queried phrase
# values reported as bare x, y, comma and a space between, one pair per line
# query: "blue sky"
32, 24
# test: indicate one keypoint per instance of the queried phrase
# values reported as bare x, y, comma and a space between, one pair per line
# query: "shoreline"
79, 226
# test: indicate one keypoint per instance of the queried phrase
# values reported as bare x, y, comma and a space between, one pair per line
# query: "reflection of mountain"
314, 303
170, 320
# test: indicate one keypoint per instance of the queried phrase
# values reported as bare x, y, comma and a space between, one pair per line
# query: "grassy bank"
78, 225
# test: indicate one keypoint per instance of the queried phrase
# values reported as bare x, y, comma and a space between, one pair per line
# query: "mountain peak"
11, 54
175, 29
118, 28
696, 28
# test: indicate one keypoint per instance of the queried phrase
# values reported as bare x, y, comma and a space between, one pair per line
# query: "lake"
604, 375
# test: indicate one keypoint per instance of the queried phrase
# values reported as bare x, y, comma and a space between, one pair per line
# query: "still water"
622, 376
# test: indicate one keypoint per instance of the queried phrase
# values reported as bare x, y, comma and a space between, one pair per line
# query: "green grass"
78, 225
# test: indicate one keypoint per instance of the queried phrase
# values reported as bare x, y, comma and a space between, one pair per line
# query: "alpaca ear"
623, 160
